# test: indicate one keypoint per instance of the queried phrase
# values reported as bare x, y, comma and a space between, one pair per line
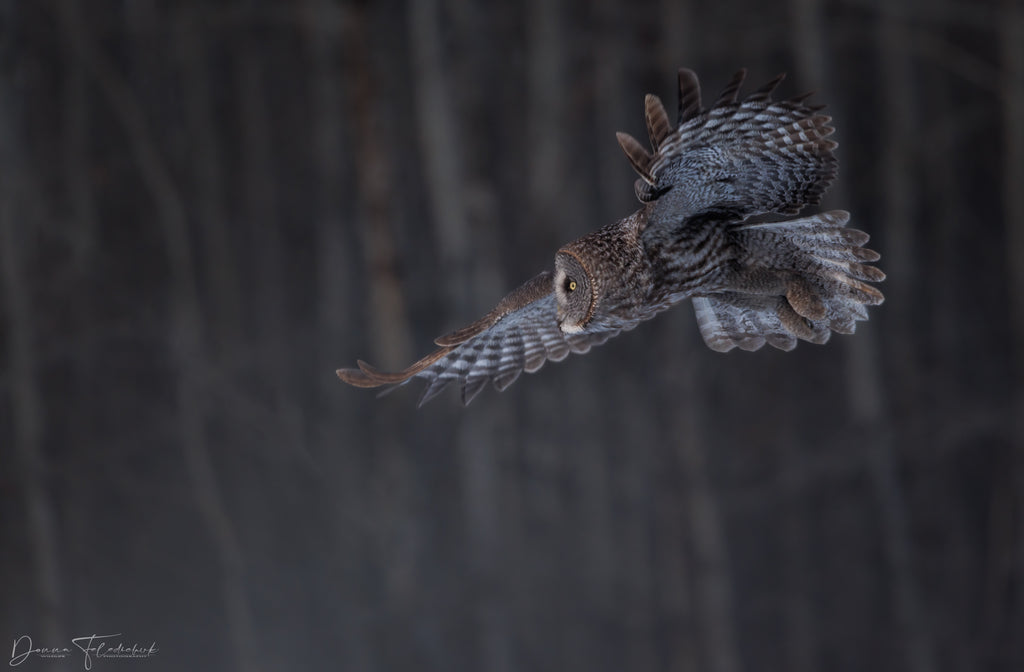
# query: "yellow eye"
571, 285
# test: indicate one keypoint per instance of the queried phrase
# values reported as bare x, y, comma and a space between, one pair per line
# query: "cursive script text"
23, 648
97, 646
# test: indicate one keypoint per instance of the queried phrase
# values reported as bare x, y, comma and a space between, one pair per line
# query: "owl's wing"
823, 286
520, 334
731, 319
738, 157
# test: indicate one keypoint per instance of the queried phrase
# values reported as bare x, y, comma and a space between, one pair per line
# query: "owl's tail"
798, 279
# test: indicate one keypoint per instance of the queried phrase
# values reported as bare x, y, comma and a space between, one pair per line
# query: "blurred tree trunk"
386, 312
208, 187
938, 139
30, 468
440, 151
79, 507
77, 170
712, 568
185, 328
673, 575
611, 107
898, 190
368, 68
262, 213
1012, 39
327, 27
466, 277
546, 108
869, 402
1013, 179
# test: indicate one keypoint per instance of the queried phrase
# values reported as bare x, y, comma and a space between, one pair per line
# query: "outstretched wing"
739, 157
520, 334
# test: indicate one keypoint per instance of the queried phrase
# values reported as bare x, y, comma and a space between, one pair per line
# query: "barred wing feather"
740, 157
520, 334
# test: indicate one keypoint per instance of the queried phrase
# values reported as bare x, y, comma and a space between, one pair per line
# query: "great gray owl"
701, 233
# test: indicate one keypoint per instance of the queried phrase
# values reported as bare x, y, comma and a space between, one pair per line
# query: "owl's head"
575, 291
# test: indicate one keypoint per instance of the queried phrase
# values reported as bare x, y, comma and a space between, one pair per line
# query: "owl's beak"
568, 328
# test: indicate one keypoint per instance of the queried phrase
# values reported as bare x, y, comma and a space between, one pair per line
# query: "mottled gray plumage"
703, 232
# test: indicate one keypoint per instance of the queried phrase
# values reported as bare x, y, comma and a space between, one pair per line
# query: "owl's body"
753, 281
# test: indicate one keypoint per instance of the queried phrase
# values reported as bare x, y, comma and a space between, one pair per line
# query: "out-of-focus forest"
208, 207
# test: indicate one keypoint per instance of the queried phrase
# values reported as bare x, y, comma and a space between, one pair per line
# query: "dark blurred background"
207, 207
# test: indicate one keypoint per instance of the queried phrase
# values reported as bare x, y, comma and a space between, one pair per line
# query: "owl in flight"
709, 229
